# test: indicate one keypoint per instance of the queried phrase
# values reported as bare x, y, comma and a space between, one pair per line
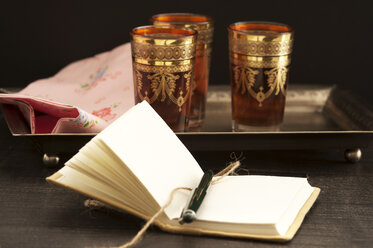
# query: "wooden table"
35, 214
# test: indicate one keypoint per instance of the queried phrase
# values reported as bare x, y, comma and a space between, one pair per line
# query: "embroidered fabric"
84, 97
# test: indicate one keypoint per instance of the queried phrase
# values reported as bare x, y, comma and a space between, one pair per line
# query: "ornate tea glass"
205, 28
259, 64
163, 61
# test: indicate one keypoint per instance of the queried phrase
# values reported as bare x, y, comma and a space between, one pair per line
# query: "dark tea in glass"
259, 66
203, 25
163, 63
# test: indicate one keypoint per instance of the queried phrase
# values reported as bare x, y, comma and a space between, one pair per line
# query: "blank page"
253, 199
151, 150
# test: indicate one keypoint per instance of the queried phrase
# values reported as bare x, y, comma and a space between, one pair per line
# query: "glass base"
195, 124
236, 127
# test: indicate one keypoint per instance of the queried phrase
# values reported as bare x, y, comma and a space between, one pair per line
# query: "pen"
188, 214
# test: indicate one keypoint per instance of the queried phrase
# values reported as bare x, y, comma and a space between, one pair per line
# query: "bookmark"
188, 214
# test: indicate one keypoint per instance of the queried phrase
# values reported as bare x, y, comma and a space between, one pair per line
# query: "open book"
136, 162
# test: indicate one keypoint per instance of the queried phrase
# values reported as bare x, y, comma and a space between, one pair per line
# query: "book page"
154, 154
291, 213
254, 199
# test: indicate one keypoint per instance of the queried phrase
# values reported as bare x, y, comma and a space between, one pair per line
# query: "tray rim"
307, 87
214, 133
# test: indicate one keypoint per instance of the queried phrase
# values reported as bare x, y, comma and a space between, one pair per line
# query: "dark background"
333, 41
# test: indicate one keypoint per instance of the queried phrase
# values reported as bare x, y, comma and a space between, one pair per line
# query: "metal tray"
316, 117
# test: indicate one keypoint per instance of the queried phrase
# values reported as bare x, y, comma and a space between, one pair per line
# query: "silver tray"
316, 117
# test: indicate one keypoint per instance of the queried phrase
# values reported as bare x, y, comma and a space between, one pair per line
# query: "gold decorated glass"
205, 28
163, 62
259, 63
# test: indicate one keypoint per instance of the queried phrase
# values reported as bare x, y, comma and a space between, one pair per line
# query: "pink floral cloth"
84, 97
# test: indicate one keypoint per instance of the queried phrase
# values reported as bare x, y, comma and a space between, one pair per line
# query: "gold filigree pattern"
276, 79
265, 62
163, 53
162, 69
204, 51
164, 39
261, 48
205, 32
205, 36
245, 79
163, 85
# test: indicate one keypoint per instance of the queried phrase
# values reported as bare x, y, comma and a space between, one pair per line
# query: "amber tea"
259, 66
203, 25
163, 63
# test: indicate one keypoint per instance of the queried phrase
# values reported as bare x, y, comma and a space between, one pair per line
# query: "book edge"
53, 179
302, 214
287, 237
198, 231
